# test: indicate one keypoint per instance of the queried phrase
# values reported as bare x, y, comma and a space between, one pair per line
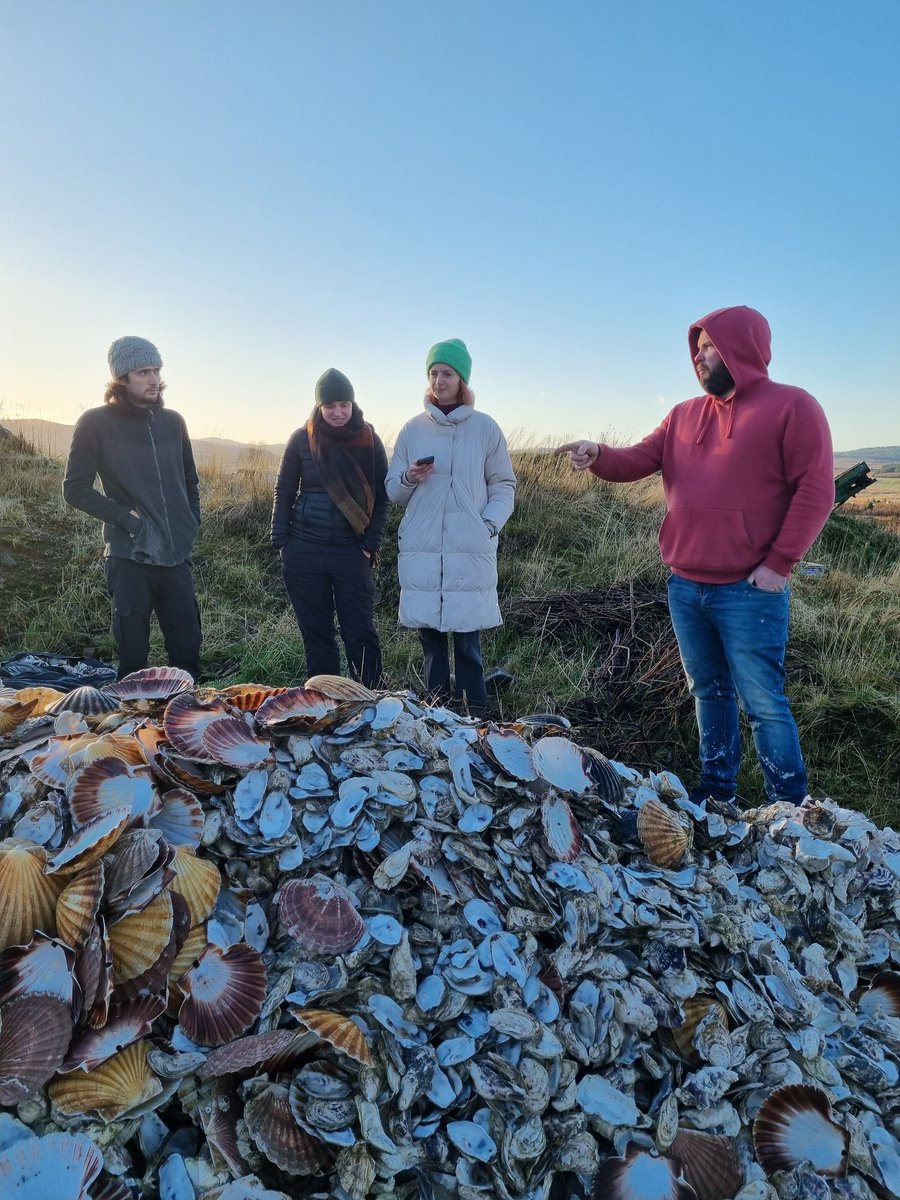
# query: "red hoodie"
748, 481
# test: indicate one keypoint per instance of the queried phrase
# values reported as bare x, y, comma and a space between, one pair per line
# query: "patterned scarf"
346, 461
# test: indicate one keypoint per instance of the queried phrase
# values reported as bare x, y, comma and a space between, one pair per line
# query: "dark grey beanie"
333, 388
130, 354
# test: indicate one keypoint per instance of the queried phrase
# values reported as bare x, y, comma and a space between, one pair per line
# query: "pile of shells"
317, 941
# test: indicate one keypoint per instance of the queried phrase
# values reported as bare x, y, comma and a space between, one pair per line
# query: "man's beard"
719, 381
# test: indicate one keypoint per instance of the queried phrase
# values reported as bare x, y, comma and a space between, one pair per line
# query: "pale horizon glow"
266, 190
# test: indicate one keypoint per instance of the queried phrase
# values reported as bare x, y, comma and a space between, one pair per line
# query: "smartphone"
424, 462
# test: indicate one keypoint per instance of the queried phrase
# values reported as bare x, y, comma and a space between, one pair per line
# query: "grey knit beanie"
333, 387
130, 354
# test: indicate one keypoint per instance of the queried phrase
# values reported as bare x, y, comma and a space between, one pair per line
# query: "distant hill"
54, 439
875, 456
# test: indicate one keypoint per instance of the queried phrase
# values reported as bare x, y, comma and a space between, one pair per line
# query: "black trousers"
137, 590
470, 686
320, 581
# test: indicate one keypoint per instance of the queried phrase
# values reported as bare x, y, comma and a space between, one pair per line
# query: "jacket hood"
743, 340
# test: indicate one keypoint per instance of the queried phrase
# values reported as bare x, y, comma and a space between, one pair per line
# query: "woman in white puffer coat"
452, 472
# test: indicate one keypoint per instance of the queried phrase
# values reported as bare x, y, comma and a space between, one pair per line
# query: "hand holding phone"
425, 462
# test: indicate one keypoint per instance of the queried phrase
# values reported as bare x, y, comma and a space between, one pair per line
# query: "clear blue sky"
268, 189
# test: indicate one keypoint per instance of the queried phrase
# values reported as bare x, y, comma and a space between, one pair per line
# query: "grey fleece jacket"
144, 460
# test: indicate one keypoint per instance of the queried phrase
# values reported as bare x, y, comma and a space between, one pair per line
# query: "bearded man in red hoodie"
748, 475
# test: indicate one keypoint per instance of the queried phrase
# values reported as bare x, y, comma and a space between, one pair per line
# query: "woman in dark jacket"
328, 520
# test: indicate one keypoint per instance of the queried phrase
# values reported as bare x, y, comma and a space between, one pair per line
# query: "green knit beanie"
453, 352
333, 388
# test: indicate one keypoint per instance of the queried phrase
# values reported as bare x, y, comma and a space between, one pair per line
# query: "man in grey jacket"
149, 506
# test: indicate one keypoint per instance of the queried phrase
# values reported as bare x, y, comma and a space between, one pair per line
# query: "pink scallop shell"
57, 1166
187, 718
223, 994
34, 1035
108, 783
127, 1023
153, 684
320, 915
794, 1125
230, 741
296, 706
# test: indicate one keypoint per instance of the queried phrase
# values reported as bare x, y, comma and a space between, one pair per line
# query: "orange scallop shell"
249, 696
78, 905
28, 895
198, 881
117, 1086
14, 713
295, 706
139, 940
339, 687
666, 837
43, 696
338, 1030
224, 994
695, 1009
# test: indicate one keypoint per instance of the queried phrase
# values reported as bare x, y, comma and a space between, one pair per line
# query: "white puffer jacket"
448, 536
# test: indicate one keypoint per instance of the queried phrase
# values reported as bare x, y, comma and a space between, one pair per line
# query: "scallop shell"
43, 696
247, 697
561, 831
43, 966
296, 706
695, 1009
153, 980
137, 868
90, 746
882, 995
14, 713
562, 764
510, 752
187, 719
189, 954
338, 1030
338, 687
666, 837
78, 905
230, 740
109, 783
640, 1175
209, 780
88, 701
117, 1086
34, 1035
28, 895
138, 940
51, 765
224, 994
198, 881
271, 1124
711, 1163
89, 843
143, 690
57, 1166
795, 1125
320, 915
126, 1024
180, 818
265, 1050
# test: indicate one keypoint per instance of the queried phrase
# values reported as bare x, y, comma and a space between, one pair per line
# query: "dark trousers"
320, 581
470, 685
137, 590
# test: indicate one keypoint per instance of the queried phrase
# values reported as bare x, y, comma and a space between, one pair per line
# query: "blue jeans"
732, 639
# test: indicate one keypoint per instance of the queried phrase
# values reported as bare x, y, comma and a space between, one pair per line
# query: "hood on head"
743, 339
